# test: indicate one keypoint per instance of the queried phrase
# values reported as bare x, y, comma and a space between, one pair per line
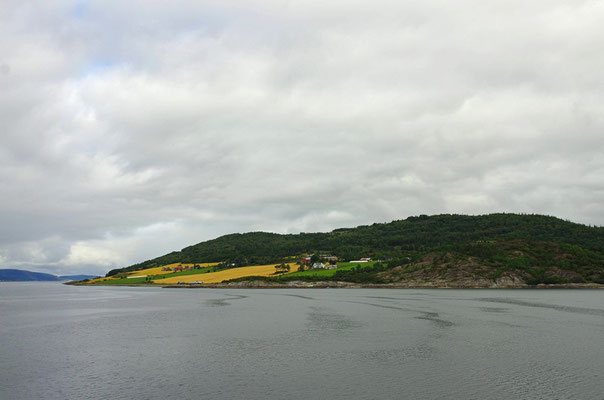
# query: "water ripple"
571, 309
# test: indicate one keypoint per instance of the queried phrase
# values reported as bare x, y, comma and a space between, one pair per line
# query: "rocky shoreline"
408, 285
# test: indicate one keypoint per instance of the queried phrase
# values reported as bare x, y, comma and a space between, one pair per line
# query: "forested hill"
412, 238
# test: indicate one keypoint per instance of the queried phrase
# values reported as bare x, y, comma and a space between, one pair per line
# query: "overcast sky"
133, 128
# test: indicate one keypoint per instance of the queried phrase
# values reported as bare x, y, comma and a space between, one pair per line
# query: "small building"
318, 265
362, 260
331, 266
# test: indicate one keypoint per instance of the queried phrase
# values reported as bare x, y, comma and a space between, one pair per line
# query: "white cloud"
133, 129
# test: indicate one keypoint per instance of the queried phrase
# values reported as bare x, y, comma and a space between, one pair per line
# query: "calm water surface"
64, 342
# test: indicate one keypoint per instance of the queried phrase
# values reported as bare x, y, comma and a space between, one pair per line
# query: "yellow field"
158, 271
95, 280
217, 277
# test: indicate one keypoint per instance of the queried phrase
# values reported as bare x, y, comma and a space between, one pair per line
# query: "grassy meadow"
342, 266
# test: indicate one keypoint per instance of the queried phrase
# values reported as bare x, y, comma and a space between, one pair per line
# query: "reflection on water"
299, 296
325, 322
62, 342
223, 301
579, 310
434, 317
493, 309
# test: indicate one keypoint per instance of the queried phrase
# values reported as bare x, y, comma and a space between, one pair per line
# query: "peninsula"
486, 251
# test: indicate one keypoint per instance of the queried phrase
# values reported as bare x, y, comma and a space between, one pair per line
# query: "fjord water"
66, 342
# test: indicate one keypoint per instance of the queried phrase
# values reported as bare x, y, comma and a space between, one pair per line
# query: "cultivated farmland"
218, 277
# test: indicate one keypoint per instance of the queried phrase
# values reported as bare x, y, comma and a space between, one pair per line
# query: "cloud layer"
133, 129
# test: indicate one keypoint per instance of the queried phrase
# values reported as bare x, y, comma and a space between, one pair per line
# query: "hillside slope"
529, 246
501, 263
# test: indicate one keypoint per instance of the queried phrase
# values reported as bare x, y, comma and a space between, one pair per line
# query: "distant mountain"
8, 275
20, 275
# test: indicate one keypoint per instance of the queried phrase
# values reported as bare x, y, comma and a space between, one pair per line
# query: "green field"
342, 266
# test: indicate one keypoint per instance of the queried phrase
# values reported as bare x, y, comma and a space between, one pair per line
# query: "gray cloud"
130, 130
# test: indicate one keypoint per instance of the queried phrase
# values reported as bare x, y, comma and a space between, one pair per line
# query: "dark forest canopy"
412, 238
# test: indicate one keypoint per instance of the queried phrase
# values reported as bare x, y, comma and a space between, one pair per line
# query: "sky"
129, 129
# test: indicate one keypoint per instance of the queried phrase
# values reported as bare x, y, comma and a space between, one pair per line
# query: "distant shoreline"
349, 285
318, 285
